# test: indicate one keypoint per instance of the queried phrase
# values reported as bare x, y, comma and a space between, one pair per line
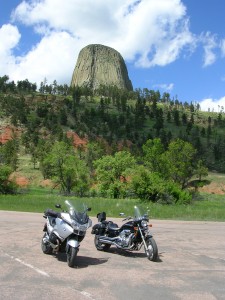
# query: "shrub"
151, 186
6, 186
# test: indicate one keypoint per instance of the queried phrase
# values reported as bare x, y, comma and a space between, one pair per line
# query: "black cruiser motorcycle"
63, 231
131, 236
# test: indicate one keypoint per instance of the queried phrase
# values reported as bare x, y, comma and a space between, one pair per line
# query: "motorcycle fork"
146, 248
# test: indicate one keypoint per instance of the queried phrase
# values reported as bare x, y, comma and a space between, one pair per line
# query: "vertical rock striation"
98, 64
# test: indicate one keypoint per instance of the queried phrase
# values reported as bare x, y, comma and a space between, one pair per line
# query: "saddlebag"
98, 229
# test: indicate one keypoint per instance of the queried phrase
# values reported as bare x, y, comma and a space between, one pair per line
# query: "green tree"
176, 117
153, 159
180, 161
9, 153
153, 187
67, 169
112, 173
7, 186
94, 151
201, 170
159, 120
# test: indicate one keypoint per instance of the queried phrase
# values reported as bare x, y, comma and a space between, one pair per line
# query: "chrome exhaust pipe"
108, 240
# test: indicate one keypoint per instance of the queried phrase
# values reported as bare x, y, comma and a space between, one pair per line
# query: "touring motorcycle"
63, 231
131, 236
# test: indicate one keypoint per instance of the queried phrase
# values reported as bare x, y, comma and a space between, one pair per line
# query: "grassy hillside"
113, 118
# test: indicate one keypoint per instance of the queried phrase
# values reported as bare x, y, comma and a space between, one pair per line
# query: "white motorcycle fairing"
63, 228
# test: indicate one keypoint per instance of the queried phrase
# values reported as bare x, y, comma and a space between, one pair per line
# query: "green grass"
206, 208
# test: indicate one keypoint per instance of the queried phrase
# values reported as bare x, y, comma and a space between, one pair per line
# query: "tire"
71, 256
45, 246
100, 246
152, 252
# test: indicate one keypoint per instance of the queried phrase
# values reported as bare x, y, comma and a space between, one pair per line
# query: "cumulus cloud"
51, 58
211, 105
11, 36
145, 32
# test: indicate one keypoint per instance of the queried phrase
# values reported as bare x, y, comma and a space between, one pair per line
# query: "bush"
173, 194
6, 186
151, 186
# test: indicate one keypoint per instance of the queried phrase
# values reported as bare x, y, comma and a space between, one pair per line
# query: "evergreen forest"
134, 143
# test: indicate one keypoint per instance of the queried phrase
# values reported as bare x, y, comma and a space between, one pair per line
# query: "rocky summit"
98, 64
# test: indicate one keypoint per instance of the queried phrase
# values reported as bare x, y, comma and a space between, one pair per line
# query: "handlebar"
127, 218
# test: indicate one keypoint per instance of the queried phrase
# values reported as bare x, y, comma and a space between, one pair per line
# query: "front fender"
73, 243
148, 236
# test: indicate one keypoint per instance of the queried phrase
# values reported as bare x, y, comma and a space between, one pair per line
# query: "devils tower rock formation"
98, 64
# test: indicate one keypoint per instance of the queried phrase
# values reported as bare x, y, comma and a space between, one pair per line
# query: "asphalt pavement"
191, 264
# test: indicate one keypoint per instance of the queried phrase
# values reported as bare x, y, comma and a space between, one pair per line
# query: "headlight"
144, 223
75, 225
83, 227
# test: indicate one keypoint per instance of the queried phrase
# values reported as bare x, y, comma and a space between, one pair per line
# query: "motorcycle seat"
113, 226
51, 213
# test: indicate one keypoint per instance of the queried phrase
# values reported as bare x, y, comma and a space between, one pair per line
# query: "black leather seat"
51, 213
113, 226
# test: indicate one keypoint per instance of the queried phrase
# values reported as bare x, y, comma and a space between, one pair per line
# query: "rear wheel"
99, 246
152, 249
71, 256
45, 245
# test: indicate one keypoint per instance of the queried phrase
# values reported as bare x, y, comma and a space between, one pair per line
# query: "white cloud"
209, 45
147, 33
216, 105
11, 36
53, 58
164, 86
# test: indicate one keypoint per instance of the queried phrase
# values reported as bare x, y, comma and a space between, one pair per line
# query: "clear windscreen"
77, 211
140, 212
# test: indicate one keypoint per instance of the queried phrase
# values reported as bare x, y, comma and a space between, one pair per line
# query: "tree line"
158, 175
112, 120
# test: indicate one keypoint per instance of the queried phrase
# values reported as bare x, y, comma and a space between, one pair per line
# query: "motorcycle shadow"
132, 254
83, 261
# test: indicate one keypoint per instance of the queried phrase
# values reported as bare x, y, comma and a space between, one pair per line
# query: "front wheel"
99, 246
152, 249
71, 256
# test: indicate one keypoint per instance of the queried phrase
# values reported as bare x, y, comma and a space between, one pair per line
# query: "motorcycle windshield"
78, 212
140, 213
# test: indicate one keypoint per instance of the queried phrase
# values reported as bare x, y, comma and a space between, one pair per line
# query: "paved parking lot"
191, 264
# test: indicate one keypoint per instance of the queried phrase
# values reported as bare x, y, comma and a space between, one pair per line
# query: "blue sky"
174, 46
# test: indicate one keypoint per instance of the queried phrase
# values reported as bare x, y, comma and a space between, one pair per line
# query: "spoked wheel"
99, 246
71, 256
152, 249
45, 245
